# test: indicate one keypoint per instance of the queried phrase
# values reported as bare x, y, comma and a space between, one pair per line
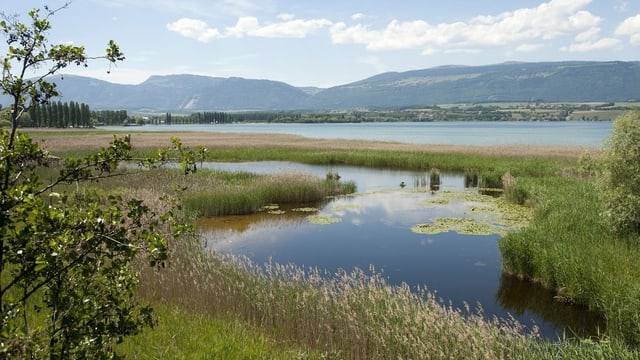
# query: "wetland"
441, 238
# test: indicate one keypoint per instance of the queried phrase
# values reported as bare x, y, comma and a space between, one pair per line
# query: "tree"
620, 179
67, 289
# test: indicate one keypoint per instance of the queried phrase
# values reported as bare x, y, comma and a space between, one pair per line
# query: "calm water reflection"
375, 229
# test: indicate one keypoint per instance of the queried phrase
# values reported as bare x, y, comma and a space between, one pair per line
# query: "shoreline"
61, 140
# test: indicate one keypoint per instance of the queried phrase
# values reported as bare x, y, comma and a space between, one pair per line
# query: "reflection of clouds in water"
398, 207
266, 230
427, 241
357, 221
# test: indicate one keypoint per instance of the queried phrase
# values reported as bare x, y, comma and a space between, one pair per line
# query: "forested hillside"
530, 82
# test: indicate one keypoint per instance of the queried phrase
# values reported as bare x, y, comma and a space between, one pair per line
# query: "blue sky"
333, 42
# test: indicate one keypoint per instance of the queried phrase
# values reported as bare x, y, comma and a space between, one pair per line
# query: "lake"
574, 133
374, 227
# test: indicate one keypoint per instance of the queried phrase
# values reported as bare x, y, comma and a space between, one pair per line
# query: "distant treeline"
473, 112
73, 114
58, 115
69, 115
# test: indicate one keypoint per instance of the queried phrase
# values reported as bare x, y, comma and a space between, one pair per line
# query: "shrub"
620, 178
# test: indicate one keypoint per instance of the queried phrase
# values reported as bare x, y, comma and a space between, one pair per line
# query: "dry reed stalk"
57, 142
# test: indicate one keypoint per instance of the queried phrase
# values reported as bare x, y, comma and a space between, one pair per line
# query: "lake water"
374, 228
575, 133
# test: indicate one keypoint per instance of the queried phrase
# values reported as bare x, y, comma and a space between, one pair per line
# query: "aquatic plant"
570, 248
323, 219
483, 215
466, 226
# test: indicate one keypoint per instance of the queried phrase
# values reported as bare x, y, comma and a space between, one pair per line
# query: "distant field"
595, 114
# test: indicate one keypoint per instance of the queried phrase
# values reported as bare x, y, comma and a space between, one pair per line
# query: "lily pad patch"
467, 226
323, 219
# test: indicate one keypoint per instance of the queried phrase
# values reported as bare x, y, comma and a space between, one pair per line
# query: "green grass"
570, 248
180, 334
212, 192
390, 159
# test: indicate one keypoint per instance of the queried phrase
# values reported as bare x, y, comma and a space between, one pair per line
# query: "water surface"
575, 133
374, 228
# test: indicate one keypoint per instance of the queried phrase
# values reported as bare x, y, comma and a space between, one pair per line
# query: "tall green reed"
569, 248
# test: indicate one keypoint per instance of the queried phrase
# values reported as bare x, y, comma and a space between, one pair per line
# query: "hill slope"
564, 81
551, 81
182, 93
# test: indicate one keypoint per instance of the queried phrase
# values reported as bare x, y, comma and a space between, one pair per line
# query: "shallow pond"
396, 229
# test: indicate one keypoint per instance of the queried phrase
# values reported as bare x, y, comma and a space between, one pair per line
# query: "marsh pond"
443, 238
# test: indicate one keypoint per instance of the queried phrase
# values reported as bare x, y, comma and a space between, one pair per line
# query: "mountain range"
574, 81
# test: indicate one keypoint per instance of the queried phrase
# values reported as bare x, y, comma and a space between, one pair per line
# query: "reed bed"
212, 193
391, 159
569, 247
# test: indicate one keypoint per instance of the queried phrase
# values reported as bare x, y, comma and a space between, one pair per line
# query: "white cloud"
246, 25
194, 29
588, 35
293, 28
527, 25
249, 26
521, 30
630, 27
591, 45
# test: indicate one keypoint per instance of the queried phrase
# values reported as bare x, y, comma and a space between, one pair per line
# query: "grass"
180, 334
570, 248
391, 159
211, 193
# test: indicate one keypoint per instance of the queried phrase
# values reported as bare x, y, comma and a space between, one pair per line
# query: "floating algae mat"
466, 226
273, 209
483, 215
323, 219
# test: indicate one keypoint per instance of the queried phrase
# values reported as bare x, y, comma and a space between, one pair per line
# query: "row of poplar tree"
60, 115
71, 114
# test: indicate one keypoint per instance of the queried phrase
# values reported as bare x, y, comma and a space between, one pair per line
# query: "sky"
334, 42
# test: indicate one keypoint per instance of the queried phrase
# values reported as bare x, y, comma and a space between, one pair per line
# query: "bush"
620, 178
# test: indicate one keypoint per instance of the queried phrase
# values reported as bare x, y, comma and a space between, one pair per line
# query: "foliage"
67, 289
60, 115
67, 286
569, 248
620, 180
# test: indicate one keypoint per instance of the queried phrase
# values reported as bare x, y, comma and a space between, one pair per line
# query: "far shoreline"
67, 140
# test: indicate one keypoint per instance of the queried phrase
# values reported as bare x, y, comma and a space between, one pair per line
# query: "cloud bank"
521, 30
